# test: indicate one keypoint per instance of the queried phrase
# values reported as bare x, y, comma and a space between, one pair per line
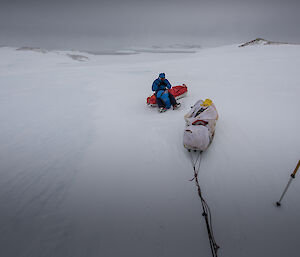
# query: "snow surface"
88, 169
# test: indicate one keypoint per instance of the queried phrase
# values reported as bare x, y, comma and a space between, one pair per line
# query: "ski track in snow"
87, 169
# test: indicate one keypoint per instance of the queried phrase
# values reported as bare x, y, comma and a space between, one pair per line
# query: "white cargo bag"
200, 125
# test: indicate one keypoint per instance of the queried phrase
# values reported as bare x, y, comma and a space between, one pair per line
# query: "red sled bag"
177, 91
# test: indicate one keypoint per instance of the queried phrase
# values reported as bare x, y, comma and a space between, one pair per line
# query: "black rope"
206, 210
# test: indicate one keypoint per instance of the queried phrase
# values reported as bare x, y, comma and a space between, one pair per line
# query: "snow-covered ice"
88, 169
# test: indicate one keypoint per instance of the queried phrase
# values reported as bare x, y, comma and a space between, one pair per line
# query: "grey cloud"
102, 24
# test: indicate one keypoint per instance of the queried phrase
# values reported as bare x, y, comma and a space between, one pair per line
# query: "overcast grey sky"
103, 24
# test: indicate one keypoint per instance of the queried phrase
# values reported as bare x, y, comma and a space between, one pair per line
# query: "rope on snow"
196, 162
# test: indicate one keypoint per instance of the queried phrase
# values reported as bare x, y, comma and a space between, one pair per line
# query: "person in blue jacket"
161, 84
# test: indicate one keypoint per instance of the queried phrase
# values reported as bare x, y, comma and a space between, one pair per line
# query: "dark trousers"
160, 103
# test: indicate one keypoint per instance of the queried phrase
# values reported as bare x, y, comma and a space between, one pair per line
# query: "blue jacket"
158, 85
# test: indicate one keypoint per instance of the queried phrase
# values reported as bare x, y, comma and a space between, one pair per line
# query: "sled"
177, 91
200, 126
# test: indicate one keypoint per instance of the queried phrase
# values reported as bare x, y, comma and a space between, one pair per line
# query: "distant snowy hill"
261, 41
88, 169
